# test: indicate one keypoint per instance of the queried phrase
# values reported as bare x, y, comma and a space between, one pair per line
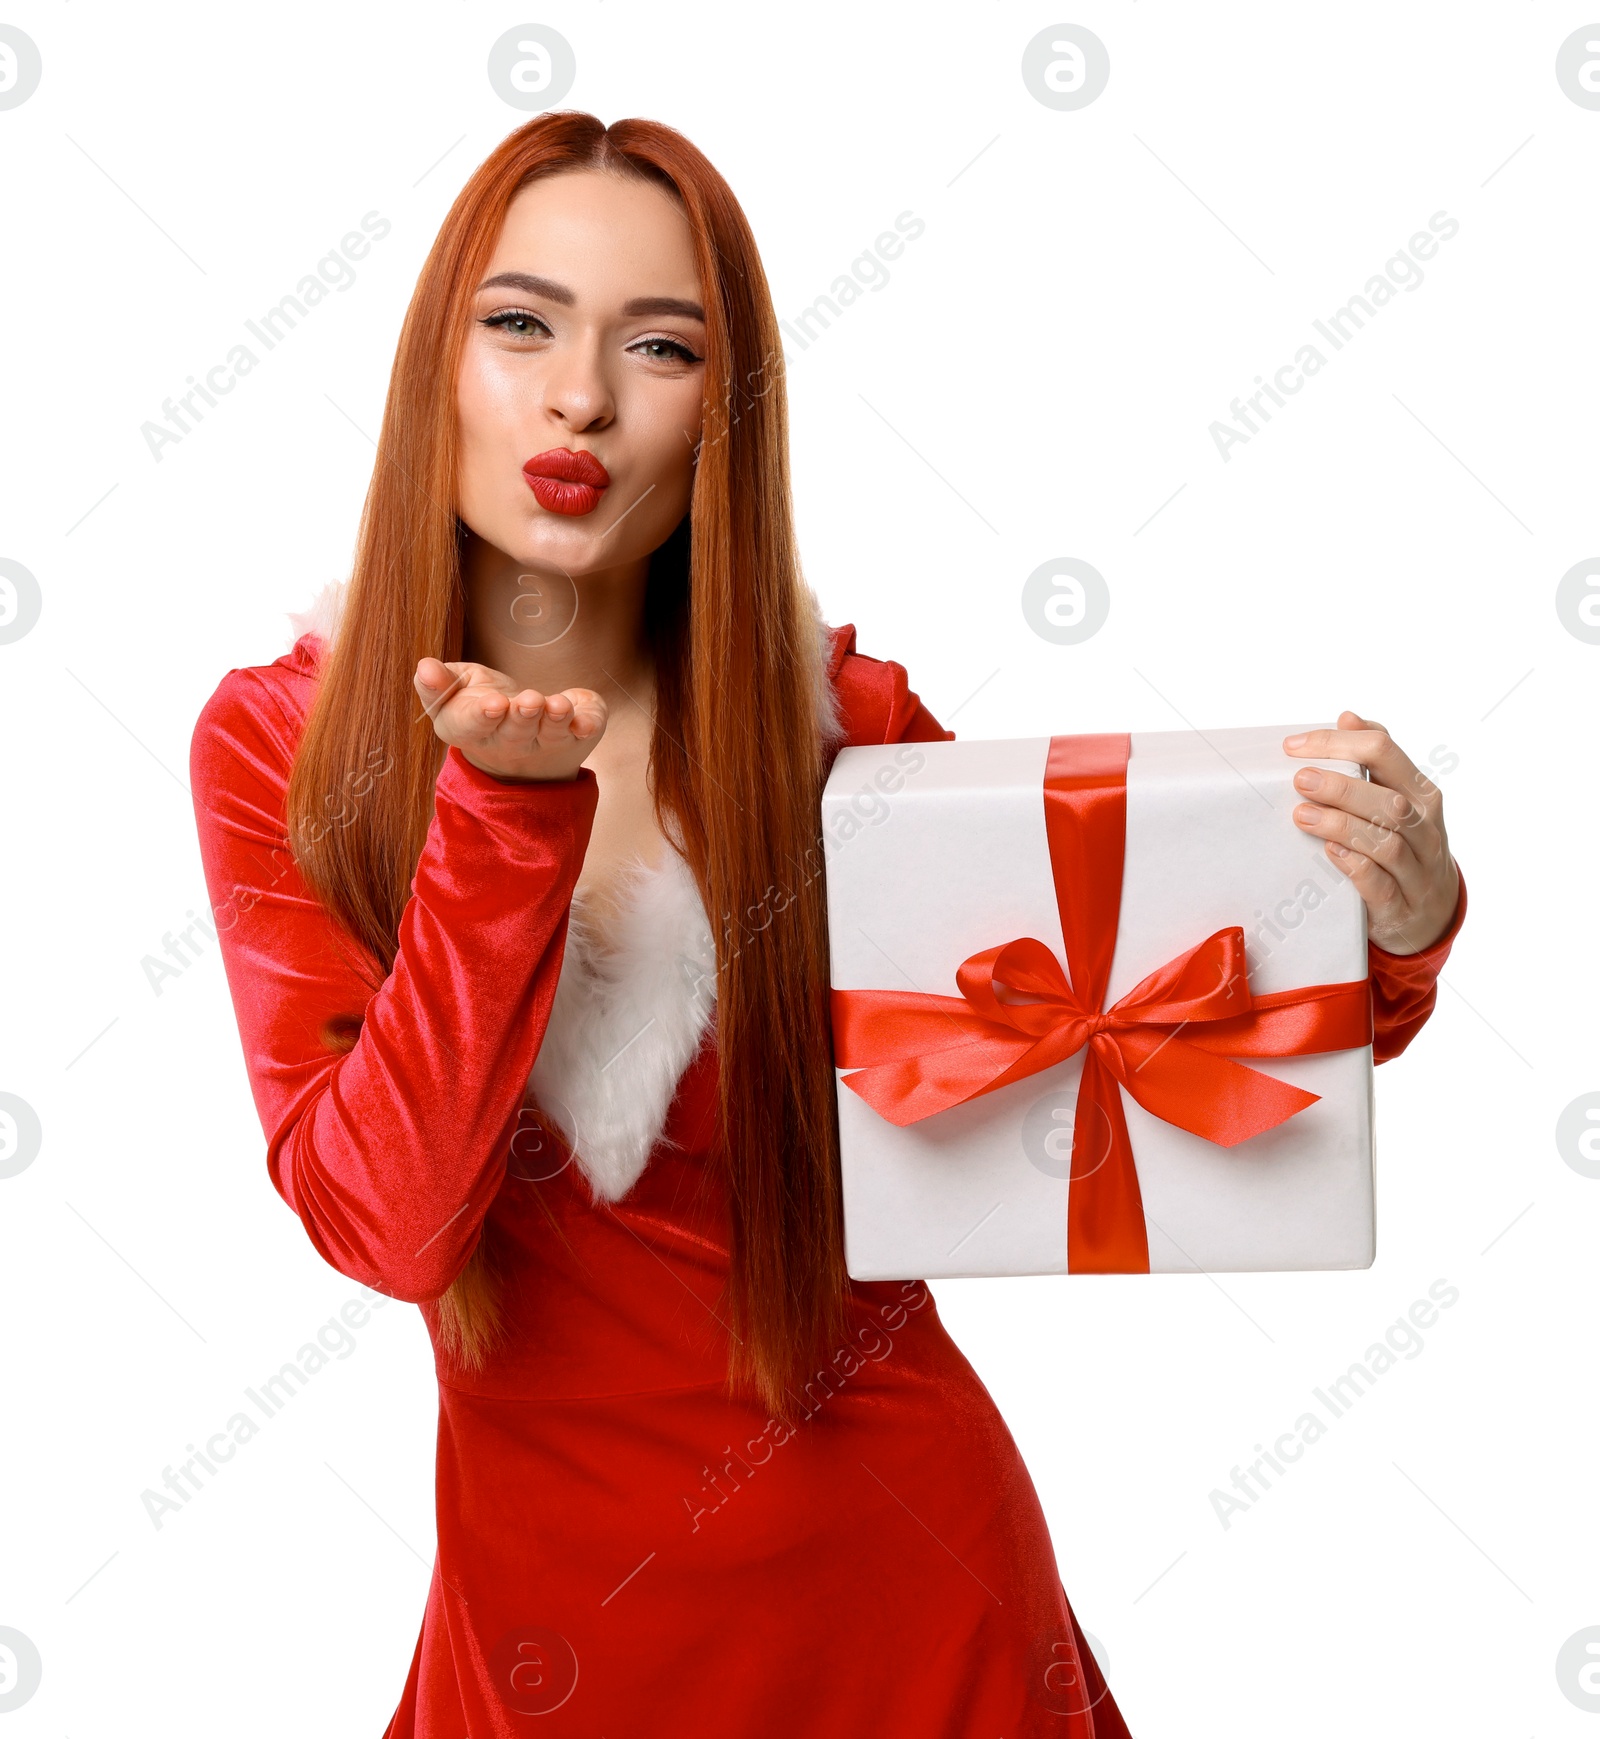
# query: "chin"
578, 563
538, 538
562, 548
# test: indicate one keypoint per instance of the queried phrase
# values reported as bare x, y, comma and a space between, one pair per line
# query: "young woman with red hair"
462, 842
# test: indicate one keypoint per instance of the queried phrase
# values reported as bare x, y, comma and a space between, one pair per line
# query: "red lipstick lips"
567, 480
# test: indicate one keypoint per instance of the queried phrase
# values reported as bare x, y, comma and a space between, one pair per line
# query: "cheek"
691, 415
487, 400
669, 429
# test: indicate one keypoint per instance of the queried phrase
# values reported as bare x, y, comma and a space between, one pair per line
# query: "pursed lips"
567, 480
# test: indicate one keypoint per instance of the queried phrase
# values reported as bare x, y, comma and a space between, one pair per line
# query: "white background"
1037, 379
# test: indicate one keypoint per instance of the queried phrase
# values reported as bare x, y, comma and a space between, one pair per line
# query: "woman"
461, 844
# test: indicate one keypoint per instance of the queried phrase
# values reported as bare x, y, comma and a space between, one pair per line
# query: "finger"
580, 715
491, 707
1367, 801
454, 672
1382, 895
436, 681
555, 727
1384, 759
1370, 745
1386, 847
588, 713
518, 732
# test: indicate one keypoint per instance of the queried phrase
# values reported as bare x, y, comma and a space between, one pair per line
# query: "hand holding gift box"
1127, 919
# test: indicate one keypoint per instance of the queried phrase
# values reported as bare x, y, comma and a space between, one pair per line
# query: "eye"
666, 350
516, 323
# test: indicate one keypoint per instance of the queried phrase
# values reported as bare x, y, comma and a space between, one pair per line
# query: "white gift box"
935, 851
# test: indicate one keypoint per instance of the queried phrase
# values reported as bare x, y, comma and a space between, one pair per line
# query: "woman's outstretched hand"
510, 733
1385, 832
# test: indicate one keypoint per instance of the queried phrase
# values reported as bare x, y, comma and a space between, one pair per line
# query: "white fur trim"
829, 711
627, 1021
322, 617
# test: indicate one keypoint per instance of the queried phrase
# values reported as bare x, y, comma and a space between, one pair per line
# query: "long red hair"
739, 748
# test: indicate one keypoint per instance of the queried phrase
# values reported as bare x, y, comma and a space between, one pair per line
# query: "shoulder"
249, 728
875, 699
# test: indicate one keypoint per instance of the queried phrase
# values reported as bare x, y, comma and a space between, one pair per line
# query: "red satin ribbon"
915, 1054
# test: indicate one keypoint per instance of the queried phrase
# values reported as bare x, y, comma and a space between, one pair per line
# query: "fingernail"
1337, 850
1296, 741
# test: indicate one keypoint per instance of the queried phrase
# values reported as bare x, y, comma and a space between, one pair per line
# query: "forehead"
593, 229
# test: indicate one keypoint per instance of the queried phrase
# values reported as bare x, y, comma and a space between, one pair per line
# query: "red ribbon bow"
916, 1054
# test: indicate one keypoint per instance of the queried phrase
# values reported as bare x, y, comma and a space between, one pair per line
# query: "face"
579, 393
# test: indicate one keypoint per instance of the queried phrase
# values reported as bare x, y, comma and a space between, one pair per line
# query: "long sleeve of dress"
391, 1152
883, 708
1405, 987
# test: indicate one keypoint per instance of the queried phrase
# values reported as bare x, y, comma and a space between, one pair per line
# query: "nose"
577, 391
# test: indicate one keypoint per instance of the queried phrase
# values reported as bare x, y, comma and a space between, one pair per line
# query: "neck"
549, 632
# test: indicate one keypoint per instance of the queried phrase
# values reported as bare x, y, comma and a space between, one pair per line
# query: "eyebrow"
554, 292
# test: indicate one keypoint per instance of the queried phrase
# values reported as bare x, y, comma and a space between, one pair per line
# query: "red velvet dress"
622, 1549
